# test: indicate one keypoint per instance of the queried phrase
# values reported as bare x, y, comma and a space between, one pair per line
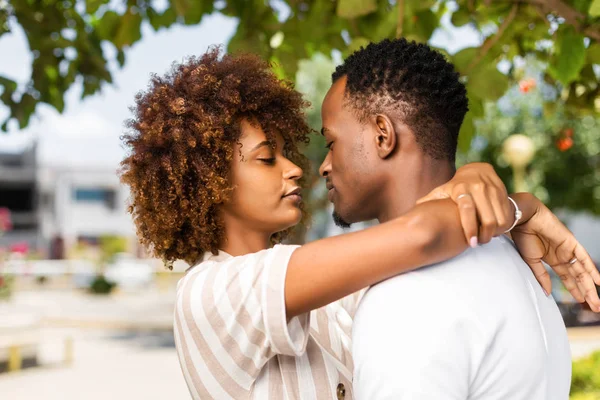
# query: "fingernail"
473, 242
547, 294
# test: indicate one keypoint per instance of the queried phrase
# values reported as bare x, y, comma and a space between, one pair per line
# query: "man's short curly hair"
413, 80
181, 141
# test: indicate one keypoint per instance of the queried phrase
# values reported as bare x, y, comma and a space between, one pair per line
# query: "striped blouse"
234, 342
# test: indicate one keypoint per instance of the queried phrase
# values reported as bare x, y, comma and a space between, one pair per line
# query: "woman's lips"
295, 198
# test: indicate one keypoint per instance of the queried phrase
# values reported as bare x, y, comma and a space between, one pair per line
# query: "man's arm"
408, 344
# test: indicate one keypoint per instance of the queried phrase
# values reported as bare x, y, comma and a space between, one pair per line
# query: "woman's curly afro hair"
181, 141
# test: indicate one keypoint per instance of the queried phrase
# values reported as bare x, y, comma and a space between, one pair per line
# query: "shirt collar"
221, 256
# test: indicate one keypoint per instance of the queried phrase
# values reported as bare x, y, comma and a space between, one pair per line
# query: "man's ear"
386, 138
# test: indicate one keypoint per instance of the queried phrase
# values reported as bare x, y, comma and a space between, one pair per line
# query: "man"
481, 329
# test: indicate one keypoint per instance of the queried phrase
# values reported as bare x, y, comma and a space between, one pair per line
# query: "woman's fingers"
586, 285
485, 213
569, 281
468, 218
541, 274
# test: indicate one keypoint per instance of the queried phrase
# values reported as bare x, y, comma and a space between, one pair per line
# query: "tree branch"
570, 14
491, 41
400, 19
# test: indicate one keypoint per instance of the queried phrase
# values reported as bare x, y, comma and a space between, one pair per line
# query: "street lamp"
518, 150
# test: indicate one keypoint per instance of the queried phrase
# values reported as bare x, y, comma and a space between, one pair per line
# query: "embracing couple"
434, 302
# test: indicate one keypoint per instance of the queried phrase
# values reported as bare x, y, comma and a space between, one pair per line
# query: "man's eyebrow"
261, 144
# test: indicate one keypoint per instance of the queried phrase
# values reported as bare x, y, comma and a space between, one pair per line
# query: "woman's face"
266, 196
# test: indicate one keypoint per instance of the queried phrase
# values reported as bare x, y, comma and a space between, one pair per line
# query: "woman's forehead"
253, 133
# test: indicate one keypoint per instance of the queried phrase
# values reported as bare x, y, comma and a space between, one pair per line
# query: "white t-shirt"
478, 326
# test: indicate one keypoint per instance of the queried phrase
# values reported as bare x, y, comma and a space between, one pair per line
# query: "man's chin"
339, 221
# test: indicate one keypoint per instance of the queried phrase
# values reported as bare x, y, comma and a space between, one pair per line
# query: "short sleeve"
230, 319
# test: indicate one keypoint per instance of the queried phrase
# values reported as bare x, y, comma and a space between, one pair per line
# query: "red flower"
525, 85
20, 248
568, 132
564, 144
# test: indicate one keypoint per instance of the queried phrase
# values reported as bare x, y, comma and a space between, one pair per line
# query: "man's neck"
404, 190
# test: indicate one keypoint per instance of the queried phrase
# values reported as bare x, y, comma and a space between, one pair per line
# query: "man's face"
350, 165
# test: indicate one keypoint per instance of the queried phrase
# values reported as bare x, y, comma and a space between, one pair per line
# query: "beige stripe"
290, 376
275, 379
220, 327
319, 373
219, 373
277, 325
323, 335
185, 358
243, 317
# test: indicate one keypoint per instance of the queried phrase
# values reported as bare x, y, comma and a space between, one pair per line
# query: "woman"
215, 178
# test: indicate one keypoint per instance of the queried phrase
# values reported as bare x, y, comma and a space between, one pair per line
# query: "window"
97, 195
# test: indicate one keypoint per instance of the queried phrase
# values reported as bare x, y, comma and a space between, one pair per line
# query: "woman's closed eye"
268, 161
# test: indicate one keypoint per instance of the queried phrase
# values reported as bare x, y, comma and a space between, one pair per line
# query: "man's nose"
325, 167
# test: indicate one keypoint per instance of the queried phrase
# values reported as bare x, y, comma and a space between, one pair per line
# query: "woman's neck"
240, 239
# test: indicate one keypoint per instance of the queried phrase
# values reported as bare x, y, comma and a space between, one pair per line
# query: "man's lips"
330, 194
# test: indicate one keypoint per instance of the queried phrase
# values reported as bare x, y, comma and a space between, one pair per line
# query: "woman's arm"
326, 270
541, 237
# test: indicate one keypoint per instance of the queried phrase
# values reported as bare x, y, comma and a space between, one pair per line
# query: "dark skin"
326, 270
376, 169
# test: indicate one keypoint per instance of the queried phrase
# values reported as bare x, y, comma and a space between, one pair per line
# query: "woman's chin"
292, 219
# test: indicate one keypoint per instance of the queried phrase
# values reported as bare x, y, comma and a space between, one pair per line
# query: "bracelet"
518, 215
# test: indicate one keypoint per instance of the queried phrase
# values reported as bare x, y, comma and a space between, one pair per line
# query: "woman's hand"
542, 237
482, 200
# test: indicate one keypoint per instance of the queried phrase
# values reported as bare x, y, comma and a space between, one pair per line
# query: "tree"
65, 38
566, 172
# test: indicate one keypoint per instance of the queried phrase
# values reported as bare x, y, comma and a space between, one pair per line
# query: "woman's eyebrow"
261, 144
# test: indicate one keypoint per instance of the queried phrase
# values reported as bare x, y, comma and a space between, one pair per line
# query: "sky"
87, 133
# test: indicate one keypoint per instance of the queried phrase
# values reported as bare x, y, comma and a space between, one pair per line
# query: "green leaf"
379, 25
476, 106
194, 13
418, 5
355, 45
121, 58
129, 31
8, 84
461, 17
355, 8
424, 23
486, 82
467, 131
164, 20
180, 6
595, 9
593, 53
463, 58
107, 25
571, 57
91, 6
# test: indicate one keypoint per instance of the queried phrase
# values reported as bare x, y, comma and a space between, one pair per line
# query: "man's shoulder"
461, 281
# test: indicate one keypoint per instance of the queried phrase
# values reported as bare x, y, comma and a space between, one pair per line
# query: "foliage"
112, 245
101, 286
565, 172
6, 286
585, 382
66, 38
